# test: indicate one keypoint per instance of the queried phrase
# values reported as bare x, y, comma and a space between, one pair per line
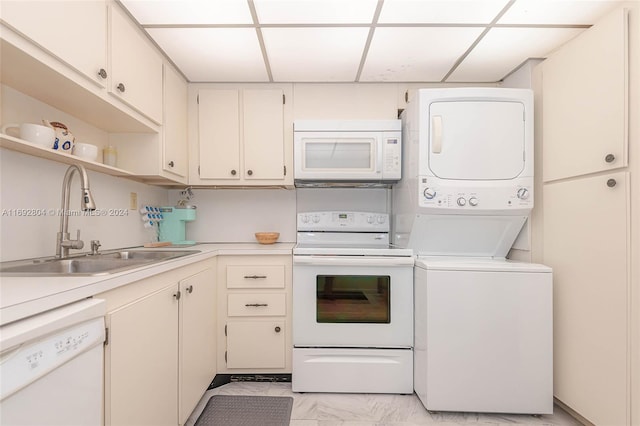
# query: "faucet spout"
63, 242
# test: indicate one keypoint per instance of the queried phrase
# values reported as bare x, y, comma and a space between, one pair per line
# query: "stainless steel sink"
87, 265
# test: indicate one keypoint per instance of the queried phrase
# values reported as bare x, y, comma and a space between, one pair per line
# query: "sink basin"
87, 265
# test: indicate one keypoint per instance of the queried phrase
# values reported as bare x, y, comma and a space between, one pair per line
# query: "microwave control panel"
392, 155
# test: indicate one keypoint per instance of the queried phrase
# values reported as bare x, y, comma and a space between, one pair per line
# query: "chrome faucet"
63, 242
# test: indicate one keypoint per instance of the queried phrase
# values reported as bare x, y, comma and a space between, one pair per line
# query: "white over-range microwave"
353, 151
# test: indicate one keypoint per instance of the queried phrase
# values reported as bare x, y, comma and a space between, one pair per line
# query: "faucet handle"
77, 243
95, 245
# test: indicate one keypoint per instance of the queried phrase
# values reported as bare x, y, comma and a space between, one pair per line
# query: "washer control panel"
435, 193
344, 221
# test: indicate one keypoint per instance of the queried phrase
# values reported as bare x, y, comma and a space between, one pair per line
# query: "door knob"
610, 158
249, 172
233, 172
170, 163
611, 183
120, 87
102, 73
277, 329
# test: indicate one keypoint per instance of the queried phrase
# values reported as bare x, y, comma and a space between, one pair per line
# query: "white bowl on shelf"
86, 151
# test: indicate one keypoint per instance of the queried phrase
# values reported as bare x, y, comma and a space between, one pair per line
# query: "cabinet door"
73, 31
197, 339
263, 125
174, 125
585, 105
141, 357
219, 133
136, 67
256, 344
586, 228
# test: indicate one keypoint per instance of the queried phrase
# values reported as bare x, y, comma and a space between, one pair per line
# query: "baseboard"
223, 379
572, 412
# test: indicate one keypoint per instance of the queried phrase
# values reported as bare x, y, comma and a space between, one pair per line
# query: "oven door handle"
353, 261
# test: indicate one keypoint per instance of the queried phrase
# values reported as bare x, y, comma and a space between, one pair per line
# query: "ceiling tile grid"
360, 40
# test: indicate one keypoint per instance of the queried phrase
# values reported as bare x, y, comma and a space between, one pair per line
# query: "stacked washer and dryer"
483, 324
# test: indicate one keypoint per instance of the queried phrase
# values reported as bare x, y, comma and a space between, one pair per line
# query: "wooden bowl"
267, 237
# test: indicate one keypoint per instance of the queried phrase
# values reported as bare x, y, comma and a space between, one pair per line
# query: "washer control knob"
473, 201
316, 218
381, 219
461, 202
429, 193
523, 193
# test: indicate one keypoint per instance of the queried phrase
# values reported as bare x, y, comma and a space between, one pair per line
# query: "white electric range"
352, 306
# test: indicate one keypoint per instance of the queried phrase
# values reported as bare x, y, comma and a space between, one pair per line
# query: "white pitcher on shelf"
64, 138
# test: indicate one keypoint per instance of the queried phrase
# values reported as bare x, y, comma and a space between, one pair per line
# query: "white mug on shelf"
34, 133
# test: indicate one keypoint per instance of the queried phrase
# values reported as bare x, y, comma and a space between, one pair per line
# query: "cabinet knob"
189, 289
177, 295
233, 172
102, 73
249, 172
170, 163
120, 87
611, 183
610, 158
277, 329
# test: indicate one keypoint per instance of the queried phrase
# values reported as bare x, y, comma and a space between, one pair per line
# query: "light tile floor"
333, 409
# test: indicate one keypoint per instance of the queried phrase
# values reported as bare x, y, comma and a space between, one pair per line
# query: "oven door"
353, 301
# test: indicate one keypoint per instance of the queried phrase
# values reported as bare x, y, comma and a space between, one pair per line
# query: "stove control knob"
370, 219
429, 193
316, 218
461, 202
523, 193
473, 201
381, 219
304, 218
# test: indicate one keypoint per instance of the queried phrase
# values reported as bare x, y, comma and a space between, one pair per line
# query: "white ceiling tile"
315, 11
213, 54
503, 49
441, 11
314, 54
567, 12
416, 54
148, 12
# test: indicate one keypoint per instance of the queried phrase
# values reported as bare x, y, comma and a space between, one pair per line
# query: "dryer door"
476, 140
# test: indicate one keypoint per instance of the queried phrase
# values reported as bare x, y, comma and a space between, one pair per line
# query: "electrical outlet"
133, 201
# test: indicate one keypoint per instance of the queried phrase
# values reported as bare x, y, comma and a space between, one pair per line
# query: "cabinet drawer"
255, 305
259, 276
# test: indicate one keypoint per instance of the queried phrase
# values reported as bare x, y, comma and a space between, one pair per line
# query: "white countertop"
21, 297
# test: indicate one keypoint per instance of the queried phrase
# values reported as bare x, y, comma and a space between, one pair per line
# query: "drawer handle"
256, 304
254, 277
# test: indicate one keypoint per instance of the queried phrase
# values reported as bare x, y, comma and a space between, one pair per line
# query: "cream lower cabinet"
254, 308
160, 354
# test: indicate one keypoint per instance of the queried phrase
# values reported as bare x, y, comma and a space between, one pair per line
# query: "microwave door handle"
436, 129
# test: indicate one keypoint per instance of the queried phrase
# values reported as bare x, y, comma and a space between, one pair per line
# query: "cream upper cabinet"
73, 31
174, 126
244, 137
586, 228
585, 90
136, 66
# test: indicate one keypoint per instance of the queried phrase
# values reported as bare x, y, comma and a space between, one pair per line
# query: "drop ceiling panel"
192, 12
441, 12
314, 54
315, 11
416, 54
502, 50
556, 12
214, 54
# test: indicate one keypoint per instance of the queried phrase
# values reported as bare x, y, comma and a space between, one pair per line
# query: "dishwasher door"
51, 366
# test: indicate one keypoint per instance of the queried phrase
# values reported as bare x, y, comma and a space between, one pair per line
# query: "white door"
479, 140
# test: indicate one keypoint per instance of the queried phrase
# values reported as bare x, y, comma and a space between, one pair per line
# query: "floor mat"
236, 410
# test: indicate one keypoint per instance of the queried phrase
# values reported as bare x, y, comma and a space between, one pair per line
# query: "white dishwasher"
51, 367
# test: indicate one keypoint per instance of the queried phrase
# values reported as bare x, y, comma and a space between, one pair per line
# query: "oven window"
353, 299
